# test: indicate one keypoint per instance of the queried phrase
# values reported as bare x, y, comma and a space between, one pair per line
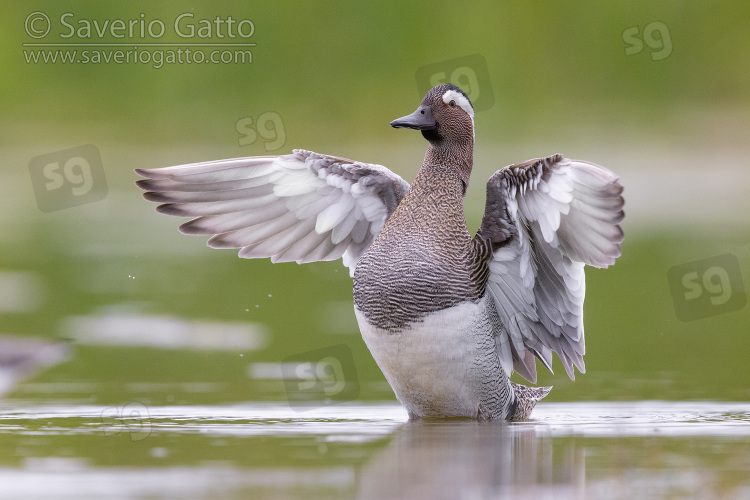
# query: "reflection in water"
571, 450
465, 459
70, 478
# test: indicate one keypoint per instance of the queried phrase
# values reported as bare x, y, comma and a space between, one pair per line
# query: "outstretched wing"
301, 207
546, 218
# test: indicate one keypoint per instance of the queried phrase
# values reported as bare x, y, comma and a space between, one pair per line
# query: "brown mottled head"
444, 115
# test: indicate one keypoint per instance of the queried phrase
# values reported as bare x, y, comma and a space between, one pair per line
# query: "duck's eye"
452, 103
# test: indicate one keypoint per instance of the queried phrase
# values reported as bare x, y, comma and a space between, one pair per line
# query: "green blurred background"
671, 116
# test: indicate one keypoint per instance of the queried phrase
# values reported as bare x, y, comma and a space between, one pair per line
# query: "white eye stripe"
453, 95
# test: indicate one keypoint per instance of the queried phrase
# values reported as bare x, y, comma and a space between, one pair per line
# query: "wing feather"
301, 207
547, 218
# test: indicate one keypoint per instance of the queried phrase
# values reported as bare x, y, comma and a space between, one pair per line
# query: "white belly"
443, 366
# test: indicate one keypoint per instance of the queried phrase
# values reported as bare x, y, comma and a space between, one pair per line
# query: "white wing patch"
302, 207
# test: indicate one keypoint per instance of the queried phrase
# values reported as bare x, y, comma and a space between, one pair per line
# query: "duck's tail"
526, 399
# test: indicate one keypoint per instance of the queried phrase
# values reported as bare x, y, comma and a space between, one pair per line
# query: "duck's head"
445, 115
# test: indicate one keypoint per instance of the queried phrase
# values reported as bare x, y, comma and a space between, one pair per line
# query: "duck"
447, 316
24, 357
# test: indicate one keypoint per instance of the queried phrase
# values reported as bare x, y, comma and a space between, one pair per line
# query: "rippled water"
648, 449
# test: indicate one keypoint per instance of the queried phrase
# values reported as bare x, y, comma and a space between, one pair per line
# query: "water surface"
647, 449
